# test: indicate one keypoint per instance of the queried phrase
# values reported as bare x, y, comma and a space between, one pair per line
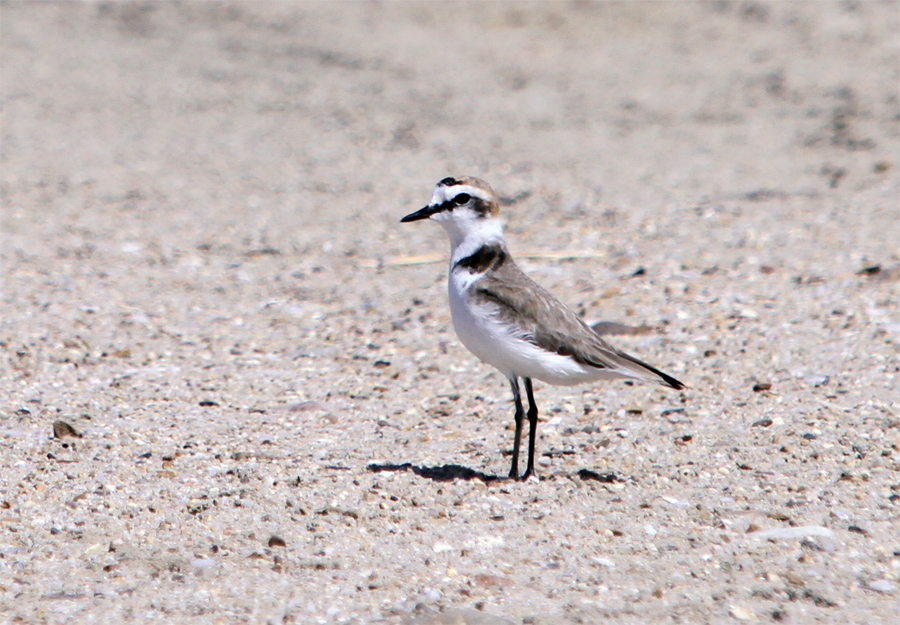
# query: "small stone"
787, 533
196, 506
486, 580
95, 549
741, 614
816, 379
587, 474
882, 585
761, 386
201, 564
811, 545
277, 541
61, 429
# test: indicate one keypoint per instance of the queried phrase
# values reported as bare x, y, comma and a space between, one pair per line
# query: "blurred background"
320, 112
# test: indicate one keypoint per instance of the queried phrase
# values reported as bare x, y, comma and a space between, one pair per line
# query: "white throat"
468, 233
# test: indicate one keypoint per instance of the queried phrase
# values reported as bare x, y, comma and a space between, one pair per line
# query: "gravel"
230, 391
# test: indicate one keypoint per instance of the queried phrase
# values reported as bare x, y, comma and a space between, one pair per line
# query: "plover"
510, 321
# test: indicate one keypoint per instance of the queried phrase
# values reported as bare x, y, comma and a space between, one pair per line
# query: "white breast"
502, 346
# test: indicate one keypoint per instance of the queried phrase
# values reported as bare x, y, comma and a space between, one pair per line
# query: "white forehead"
443, 193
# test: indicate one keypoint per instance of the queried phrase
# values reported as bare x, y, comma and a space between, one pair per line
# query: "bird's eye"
462, 198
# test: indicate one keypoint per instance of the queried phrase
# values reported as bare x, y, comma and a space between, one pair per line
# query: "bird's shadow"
450, 472
444, 473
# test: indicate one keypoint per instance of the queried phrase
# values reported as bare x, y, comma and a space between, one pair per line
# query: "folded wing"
551, 325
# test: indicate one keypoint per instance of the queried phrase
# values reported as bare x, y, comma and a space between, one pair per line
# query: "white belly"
501, 346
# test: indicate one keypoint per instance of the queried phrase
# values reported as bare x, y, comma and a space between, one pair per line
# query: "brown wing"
551, 325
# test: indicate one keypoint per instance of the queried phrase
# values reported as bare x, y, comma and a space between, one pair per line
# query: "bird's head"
464, 206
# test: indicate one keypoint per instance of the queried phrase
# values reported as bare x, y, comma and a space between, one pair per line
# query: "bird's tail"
644, 369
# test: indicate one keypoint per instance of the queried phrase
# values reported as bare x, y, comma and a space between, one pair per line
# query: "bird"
507, 319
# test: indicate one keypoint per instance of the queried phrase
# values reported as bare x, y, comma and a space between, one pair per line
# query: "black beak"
422, 213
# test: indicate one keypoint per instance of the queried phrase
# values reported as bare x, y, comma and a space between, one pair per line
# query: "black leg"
532, 428
520, 417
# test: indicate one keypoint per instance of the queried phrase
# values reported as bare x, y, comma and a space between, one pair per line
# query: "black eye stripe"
462, 199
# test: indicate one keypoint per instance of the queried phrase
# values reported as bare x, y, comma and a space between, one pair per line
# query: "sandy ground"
271, 420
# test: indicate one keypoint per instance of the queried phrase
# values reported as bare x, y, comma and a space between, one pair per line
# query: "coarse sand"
229, 387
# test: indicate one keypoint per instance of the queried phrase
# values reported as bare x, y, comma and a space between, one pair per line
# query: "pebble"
95, 549
882, 585
201, 564
794, 532
742, 614
61, 429
816, 379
